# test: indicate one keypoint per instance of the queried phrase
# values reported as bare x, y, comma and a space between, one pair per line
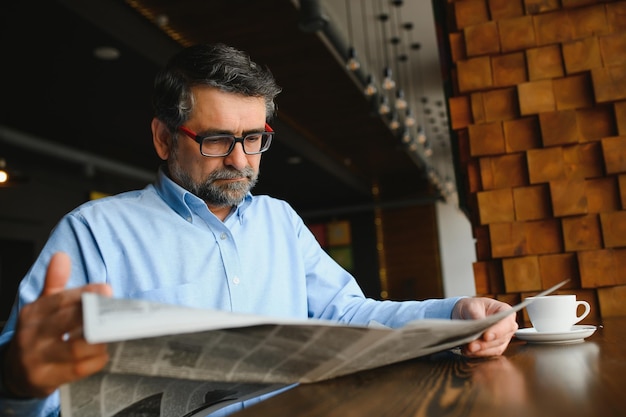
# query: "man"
196, 237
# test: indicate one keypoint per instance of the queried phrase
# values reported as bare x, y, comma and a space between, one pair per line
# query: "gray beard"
226, 195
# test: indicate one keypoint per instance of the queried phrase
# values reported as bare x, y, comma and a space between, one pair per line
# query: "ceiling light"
401, 103
352, 64
162, 20
370, 88
384, 106
428, 150
409, 118
106, 53
388, 82
394, 124
421, 135
294, 160
406, 136
10, 177
4, 176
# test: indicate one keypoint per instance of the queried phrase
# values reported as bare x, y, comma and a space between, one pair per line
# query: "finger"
101, 288
486, 352
480, 348
493, 341
493, 348
75, 350
58, 273
45, 373
91, 365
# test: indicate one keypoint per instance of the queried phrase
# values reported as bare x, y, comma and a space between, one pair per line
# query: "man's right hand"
48, 348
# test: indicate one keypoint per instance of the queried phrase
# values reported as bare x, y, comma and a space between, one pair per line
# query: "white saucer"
576, 335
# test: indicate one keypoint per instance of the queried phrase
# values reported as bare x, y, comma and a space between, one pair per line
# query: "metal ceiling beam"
36, 144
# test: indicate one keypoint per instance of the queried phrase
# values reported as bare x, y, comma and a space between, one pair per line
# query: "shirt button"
236, 280
223, 236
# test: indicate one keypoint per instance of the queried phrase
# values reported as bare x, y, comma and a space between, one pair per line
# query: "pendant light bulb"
421, 135
406, 136
449, 185
370, 88
4, 175
394, 124
428, 151
384, 106
388, 82
401, 103
352, 63
409, 118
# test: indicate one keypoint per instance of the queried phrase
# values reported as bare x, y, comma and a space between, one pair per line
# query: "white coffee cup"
555, 313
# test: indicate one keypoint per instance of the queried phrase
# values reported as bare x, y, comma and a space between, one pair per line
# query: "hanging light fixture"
401, 103
421, 134
406, 136
370, 86
4, 175
409, 117
428, 150
449, 184
388, 83
416, 47
394, 123
352, 63
419, 86
384, 107
11, 176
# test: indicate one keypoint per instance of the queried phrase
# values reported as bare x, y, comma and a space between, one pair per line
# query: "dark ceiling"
56, 92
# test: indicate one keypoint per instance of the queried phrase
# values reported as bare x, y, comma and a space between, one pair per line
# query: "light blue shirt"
163, 244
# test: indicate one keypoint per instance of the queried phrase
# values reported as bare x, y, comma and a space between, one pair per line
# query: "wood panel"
568, 215
411, 247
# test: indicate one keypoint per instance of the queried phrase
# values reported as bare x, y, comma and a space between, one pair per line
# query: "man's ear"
161, 138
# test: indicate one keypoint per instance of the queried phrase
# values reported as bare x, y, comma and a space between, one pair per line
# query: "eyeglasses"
223, 145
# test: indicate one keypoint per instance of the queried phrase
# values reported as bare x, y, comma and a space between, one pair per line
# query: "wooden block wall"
539, 104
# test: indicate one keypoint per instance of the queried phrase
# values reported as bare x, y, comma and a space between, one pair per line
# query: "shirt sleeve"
334, 294
65, 237
9, 406
46, 407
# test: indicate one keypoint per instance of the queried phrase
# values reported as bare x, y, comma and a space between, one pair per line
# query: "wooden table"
529, 380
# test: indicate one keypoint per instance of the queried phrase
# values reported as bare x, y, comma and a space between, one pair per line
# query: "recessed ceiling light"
162, 20
106, 53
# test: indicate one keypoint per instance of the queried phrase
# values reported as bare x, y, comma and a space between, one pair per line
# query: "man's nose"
237, 158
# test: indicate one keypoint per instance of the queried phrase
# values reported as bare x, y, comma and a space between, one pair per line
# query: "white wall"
457, 249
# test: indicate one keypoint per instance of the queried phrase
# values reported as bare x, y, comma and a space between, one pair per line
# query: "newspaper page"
160, 351
107, 394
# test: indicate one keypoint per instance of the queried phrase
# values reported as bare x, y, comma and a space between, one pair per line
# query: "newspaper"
185, 362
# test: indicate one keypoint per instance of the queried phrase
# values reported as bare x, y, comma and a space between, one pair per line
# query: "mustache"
231, 173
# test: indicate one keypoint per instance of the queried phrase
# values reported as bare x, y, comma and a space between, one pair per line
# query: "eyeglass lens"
253, 143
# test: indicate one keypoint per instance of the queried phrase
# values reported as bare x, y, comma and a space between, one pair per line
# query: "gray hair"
215, 65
